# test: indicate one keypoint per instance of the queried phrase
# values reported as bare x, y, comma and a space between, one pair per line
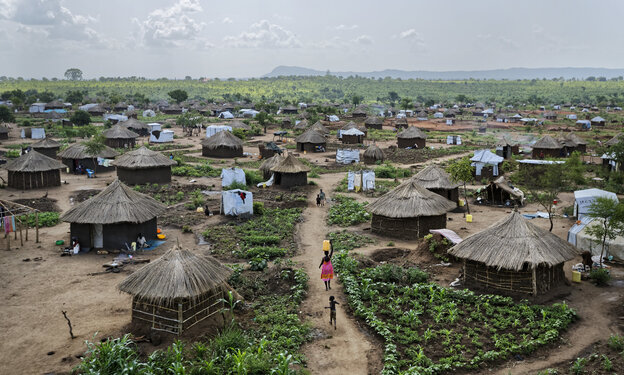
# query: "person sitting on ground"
75, 246
141, 242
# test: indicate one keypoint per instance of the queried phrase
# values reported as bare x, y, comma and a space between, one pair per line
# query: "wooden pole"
180, 319
26, 230
8, 242
37, 227
534, 283
19, 223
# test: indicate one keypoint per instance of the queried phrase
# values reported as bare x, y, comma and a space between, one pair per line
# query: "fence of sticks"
14, 218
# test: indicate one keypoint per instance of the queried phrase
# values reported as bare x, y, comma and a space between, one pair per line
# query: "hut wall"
266, 153
450, 194
49, 152
83, 233
487, 172
407, 228
34, 180
222, 152
309, 147
159, 175
352, 139
4, 135
87, 163
117, 235
120, 142
141, 132
368, 160
287, 180
547, 153
373, 126
410, 142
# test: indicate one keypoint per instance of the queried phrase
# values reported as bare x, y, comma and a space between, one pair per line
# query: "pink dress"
327, 271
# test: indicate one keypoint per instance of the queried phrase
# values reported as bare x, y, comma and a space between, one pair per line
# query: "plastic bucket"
326, 245
576, 276
461, 203
469, 218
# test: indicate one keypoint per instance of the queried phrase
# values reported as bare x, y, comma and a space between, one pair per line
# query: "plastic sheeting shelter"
347, 156
578, 236
361, 180
236, 202
484, 158
149, 113
232, 175
584, 198
161, 136
214, 129
33, 133
453, 140
226, 114
333, 118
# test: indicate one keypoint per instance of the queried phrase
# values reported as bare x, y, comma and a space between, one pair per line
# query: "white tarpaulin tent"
453, 140
226, 114
333, 118
231, 175
347, 156
35, 133
149, 113
361, 180
352, 131
214, 129
161, 136
236, 202
483, 158
584, 198
579, 237
267, 183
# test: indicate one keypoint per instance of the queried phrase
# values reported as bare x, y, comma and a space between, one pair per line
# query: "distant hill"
511, 73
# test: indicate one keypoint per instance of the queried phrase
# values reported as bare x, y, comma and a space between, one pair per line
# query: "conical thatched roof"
238, 124
302, 125
547, 142
78, 151
46, 143
400, 121
615, 140
374, 152
410, 200
318, 126
290, 165
310, 136
97, 108
351, 125
412, 132
434, 177
513, 242
575, 138
115, 204
177, 274
503, 142
134, 124
33, 162
119, 132
55, 104
222, 139
373, 120
271, 162
143, 158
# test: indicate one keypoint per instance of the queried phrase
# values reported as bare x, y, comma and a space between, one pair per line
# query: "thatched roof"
575, 138
434, 177
615, 140
115, 204
4, 129
78, 151
400, 121
55, 104
412, 132
143, 158
178, 273
503, 142
302, 125
513, 242
238, 124
290, 165
502, 183
547, 142
96, 108
318, 126
46, 143
410, 200
374, 152
134, 124
310, 136
271, 162
33, 162
119, 132
222, 139
373, 120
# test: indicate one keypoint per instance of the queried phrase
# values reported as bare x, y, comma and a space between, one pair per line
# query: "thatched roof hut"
373, 122
120, 137
77, 154
144, 166
114, 217
238, 124
572, 142
373, 154
4, 132
32, 171
411, 137
436, 180
318, 126
311, 141
176, 291
55, 104
290, 172
96, 110
359, 113
302, 125
547, 146
506, 149
615, 140
222, 145
136, 126
47, 146
269, 163
501, 192
409, 211
514, 256
401, 123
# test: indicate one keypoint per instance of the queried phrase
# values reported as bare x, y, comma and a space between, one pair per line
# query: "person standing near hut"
327, 270
322, 196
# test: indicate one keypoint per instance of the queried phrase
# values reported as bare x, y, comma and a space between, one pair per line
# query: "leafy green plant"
347, 211
46, 219
258, 208
601, 276
616, 342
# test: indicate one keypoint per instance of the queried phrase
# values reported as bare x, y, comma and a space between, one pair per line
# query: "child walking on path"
322, 196
332, 311
318, 200
327, 270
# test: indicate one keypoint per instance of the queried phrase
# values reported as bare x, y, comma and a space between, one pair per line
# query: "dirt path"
346, 350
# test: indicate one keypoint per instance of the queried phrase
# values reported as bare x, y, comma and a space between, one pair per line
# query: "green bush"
347, 212
253, 178
258, 208
616, 342
601, 276
265, 252
46, 219
235, 185
389, 171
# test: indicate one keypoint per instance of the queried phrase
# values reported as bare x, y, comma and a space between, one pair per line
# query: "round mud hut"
436, 180
77, 154
238, 124
96, 110
222, 145
373, 154
290, 172
114, 218
144, 166
373, 122
176, 291
401, 123
32, 171
409, 211
120, 137
4, 132
411, 137
269, 163
352, 136
136, 126
301, 125
319, 127
47, 146
311, 141
514, 256
547, 147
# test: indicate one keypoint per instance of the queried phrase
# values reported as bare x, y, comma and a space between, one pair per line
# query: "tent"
158, 136
578, 236
333, 118
214, 129
232, 175
361, 180
347, 156
453, 140
149, 113
236, 202
584, 198
484, 158
226, 114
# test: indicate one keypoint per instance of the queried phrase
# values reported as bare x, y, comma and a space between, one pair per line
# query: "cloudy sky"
245, 38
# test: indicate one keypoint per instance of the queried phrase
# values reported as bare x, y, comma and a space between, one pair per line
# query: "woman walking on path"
327, 270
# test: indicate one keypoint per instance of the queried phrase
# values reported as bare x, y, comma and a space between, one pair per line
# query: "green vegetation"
388, 170
347, 211
80, 118
46, 219
202, 170
6, 115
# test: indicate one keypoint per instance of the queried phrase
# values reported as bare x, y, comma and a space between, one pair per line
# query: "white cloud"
171, 26
410, 34
342, 27
364, 39
227, 20
415, 38
264, 34
498, 40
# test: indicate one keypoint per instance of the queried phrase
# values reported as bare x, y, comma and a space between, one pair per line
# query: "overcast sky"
201, 38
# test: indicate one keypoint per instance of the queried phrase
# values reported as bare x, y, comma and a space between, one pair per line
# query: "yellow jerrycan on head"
326, 245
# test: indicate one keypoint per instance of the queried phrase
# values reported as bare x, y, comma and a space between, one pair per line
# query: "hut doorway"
98, 236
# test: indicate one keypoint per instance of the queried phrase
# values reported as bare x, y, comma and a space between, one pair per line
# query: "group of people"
327, 274
320, 199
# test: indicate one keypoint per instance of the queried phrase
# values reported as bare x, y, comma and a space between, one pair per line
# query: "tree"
263, 119
610, 213
393, 96
544, 187
574, 169
73, 74
94, 147
80, 118
178, 95
74, 96
5, 114
46, 96
356, 100
461, 172
406, 103
189, 121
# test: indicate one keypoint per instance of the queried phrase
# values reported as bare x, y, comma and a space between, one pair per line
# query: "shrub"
80, 118
258, 208
235, 185
240, 133
46, 219
347, 212
601, 276
253, 177
616, 342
